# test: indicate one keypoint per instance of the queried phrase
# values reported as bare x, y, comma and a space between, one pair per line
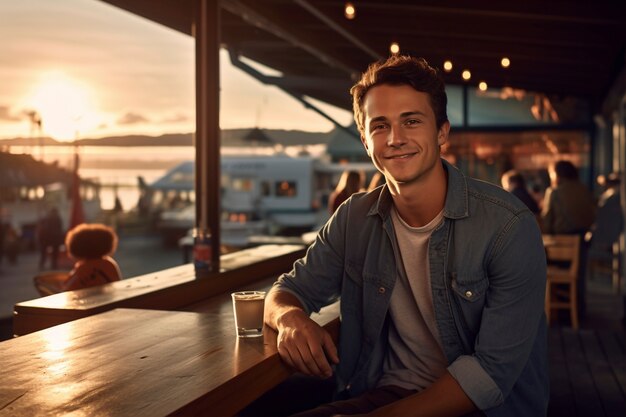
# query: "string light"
482, 86
447, 66
505, 62
466, 75
394, 47
349, 11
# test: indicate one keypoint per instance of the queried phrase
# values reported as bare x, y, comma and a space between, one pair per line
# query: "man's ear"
442, 134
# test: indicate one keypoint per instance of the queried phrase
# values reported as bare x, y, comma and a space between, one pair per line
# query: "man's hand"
304, 345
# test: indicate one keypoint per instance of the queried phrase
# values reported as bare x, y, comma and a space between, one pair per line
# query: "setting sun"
64, 105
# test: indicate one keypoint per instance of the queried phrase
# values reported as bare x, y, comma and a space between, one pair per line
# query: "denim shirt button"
469, 294
381, 290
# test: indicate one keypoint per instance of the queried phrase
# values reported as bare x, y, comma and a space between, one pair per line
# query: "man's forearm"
444, 398
301, 343
277, 303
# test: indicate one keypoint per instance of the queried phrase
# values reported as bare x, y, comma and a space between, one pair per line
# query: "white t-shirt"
415, 358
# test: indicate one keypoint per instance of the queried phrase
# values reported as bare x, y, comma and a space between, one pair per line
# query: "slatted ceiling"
556, 47
176, 15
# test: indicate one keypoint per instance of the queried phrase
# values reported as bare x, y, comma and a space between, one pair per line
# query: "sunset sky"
92, 70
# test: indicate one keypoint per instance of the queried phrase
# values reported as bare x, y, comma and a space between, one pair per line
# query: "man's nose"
396, 137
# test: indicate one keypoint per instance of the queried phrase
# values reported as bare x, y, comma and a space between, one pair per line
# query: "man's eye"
412, 122
378, 126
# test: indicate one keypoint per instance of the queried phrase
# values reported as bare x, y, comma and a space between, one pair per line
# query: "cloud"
132, 118
177, 118
5, 115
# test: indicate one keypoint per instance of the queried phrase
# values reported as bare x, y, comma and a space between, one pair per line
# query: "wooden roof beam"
269, 21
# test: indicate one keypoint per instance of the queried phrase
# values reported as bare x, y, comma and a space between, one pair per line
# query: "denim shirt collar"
457, 198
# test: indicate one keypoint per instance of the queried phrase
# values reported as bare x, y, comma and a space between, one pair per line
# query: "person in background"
92, 246
610, 183
568, 205
2, 234
50, 237
441, 278
609, 222
350, 182
11, 243
514, 182
569, 208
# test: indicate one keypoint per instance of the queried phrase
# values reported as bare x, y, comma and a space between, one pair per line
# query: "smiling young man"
441, 277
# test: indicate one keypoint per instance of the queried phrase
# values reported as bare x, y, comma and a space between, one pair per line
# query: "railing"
171, 289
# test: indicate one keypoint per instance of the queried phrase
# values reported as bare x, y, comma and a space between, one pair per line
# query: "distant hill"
230, 137
46, 141
170, 139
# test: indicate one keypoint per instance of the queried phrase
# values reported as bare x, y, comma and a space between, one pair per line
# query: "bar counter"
133, 362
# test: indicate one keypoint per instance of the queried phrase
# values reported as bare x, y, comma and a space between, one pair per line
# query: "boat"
29, 188
265, 195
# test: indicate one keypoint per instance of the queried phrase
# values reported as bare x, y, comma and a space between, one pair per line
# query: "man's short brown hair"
401, 70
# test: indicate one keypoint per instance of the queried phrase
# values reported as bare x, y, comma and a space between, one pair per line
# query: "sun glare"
65, 106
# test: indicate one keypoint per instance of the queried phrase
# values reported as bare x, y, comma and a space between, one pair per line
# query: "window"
242, 184
285, 189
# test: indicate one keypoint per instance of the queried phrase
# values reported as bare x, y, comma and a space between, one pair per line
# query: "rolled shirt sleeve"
511, 317
319, 273
476, 383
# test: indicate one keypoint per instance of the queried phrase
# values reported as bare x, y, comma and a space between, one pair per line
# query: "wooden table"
130, 362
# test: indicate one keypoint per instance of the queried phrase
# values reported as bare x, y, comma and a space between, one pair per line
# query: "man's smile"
401, 156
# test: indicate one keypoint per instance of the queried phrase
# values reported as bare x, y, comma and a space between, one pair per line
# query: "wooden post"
206, 31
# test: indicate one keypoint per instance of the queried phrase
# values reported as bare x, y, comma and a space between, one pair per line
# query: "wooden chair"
563, 255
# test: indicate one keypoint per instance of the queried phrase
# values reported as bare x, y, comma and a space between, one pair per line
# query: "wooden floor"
588, 366
587, 373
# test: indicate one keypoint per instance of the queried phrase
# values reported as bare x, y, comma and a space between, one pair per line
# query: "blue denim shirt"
488, 277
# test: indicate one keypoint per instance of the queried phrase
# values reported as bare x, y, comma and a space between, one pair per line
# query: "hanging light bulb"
466, 74
394, 47
482, 86
447, 66
349, 11
505, 62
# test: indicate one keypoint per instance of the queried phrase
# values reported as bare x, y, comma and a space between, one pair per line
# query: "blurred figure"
568, 206
3, 230
610, 183
92, 246
377, 179
117, 207
50, 237
2, 233
609, 223
350, 182
11, 243
514, 182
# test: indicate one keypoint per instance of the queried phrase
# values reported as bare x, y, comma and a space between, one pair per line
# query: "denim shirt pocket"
470, 288
469, 293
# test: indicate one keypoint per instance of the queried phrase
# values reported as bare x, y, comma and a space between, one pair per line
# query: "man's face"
401, 134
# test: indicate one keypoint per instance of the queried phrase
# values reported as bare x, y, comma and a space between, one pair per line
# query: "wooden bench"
171, 289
